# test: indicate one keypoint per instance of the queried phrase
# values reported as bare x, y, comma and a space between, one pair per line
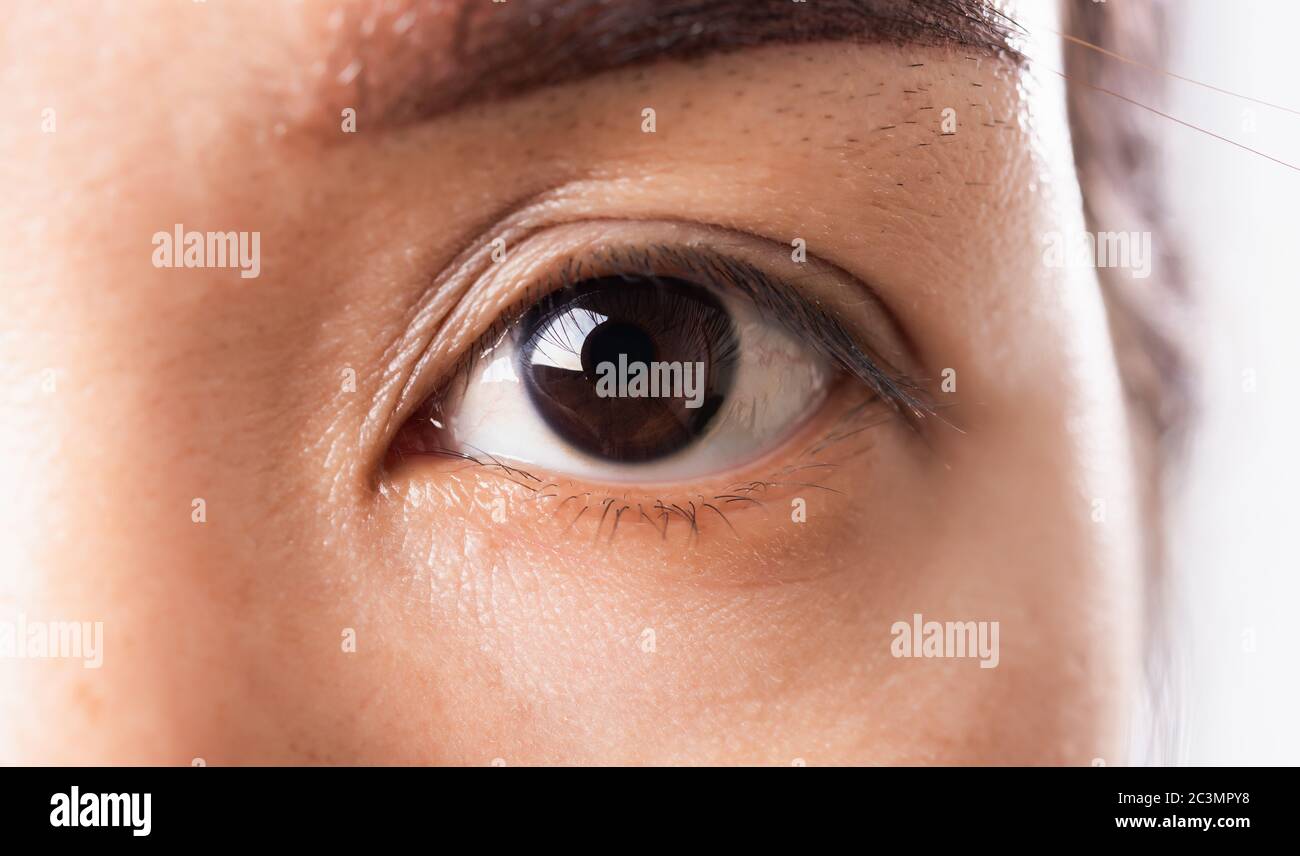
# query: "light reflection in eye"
560, 346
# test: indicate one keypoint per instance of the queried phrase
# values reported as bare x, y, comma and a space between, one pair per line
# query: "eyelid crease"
774, 297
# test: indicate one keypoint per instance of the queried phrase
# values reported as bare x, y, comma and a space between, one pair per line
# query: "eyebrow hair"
401, 62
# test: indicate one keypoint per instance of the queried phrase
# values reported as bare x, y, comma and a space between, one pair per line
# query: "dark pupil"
583, 350
606, 342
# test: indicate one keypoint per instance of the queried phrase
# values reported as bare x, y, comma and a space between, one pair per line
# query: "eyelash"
773, 296
661, 512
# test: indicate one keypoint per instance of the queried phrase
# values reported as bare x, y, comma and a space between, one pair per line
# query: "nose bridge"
170, 438
97, 537
139, 506
242, 616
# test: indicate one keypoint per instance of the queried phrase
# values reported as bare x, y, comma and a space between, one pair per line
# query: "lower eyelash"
613, 513
610, 511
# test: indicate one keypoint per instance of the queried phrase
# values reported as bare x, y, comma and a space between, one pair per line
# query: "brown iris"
628, 369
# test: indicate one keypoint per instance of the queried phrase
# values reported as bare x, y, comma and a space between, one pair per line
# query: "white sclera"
779, 383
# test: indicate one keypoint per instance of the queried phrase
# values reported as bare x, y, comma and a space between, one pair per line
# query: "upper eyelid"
515, 221
771, 294
839, 344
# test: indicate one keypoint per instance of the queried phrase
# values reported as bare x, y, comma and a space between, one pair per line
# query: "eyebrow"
401, 62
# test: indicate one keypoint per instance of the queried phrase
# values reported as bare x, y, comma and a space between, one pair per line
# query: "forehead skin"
222, 640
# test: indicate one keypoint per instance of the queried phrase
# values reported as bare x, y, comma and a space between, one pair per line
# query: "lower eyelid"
731, 509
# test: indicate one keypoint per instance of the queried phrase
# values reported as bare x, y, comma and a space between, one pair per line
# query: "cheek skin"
478, 639
674, 639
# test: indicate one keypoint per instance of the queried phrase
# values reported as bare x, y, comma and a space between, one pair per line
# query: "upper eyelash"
772, 296
790, 306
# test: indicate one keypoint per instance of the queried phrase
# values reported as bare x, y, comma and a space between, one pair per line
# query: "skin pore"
490, 622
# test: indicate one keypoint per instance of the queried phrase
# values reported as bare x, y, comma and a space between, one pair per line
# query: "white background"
1235, 521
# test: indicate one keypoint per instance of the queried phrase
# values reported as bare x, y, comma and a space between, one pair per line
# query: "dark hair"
1121, 174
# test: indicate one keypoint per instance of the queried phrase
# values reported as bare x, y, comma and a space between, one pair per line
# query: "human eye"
636, 377
663, 359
